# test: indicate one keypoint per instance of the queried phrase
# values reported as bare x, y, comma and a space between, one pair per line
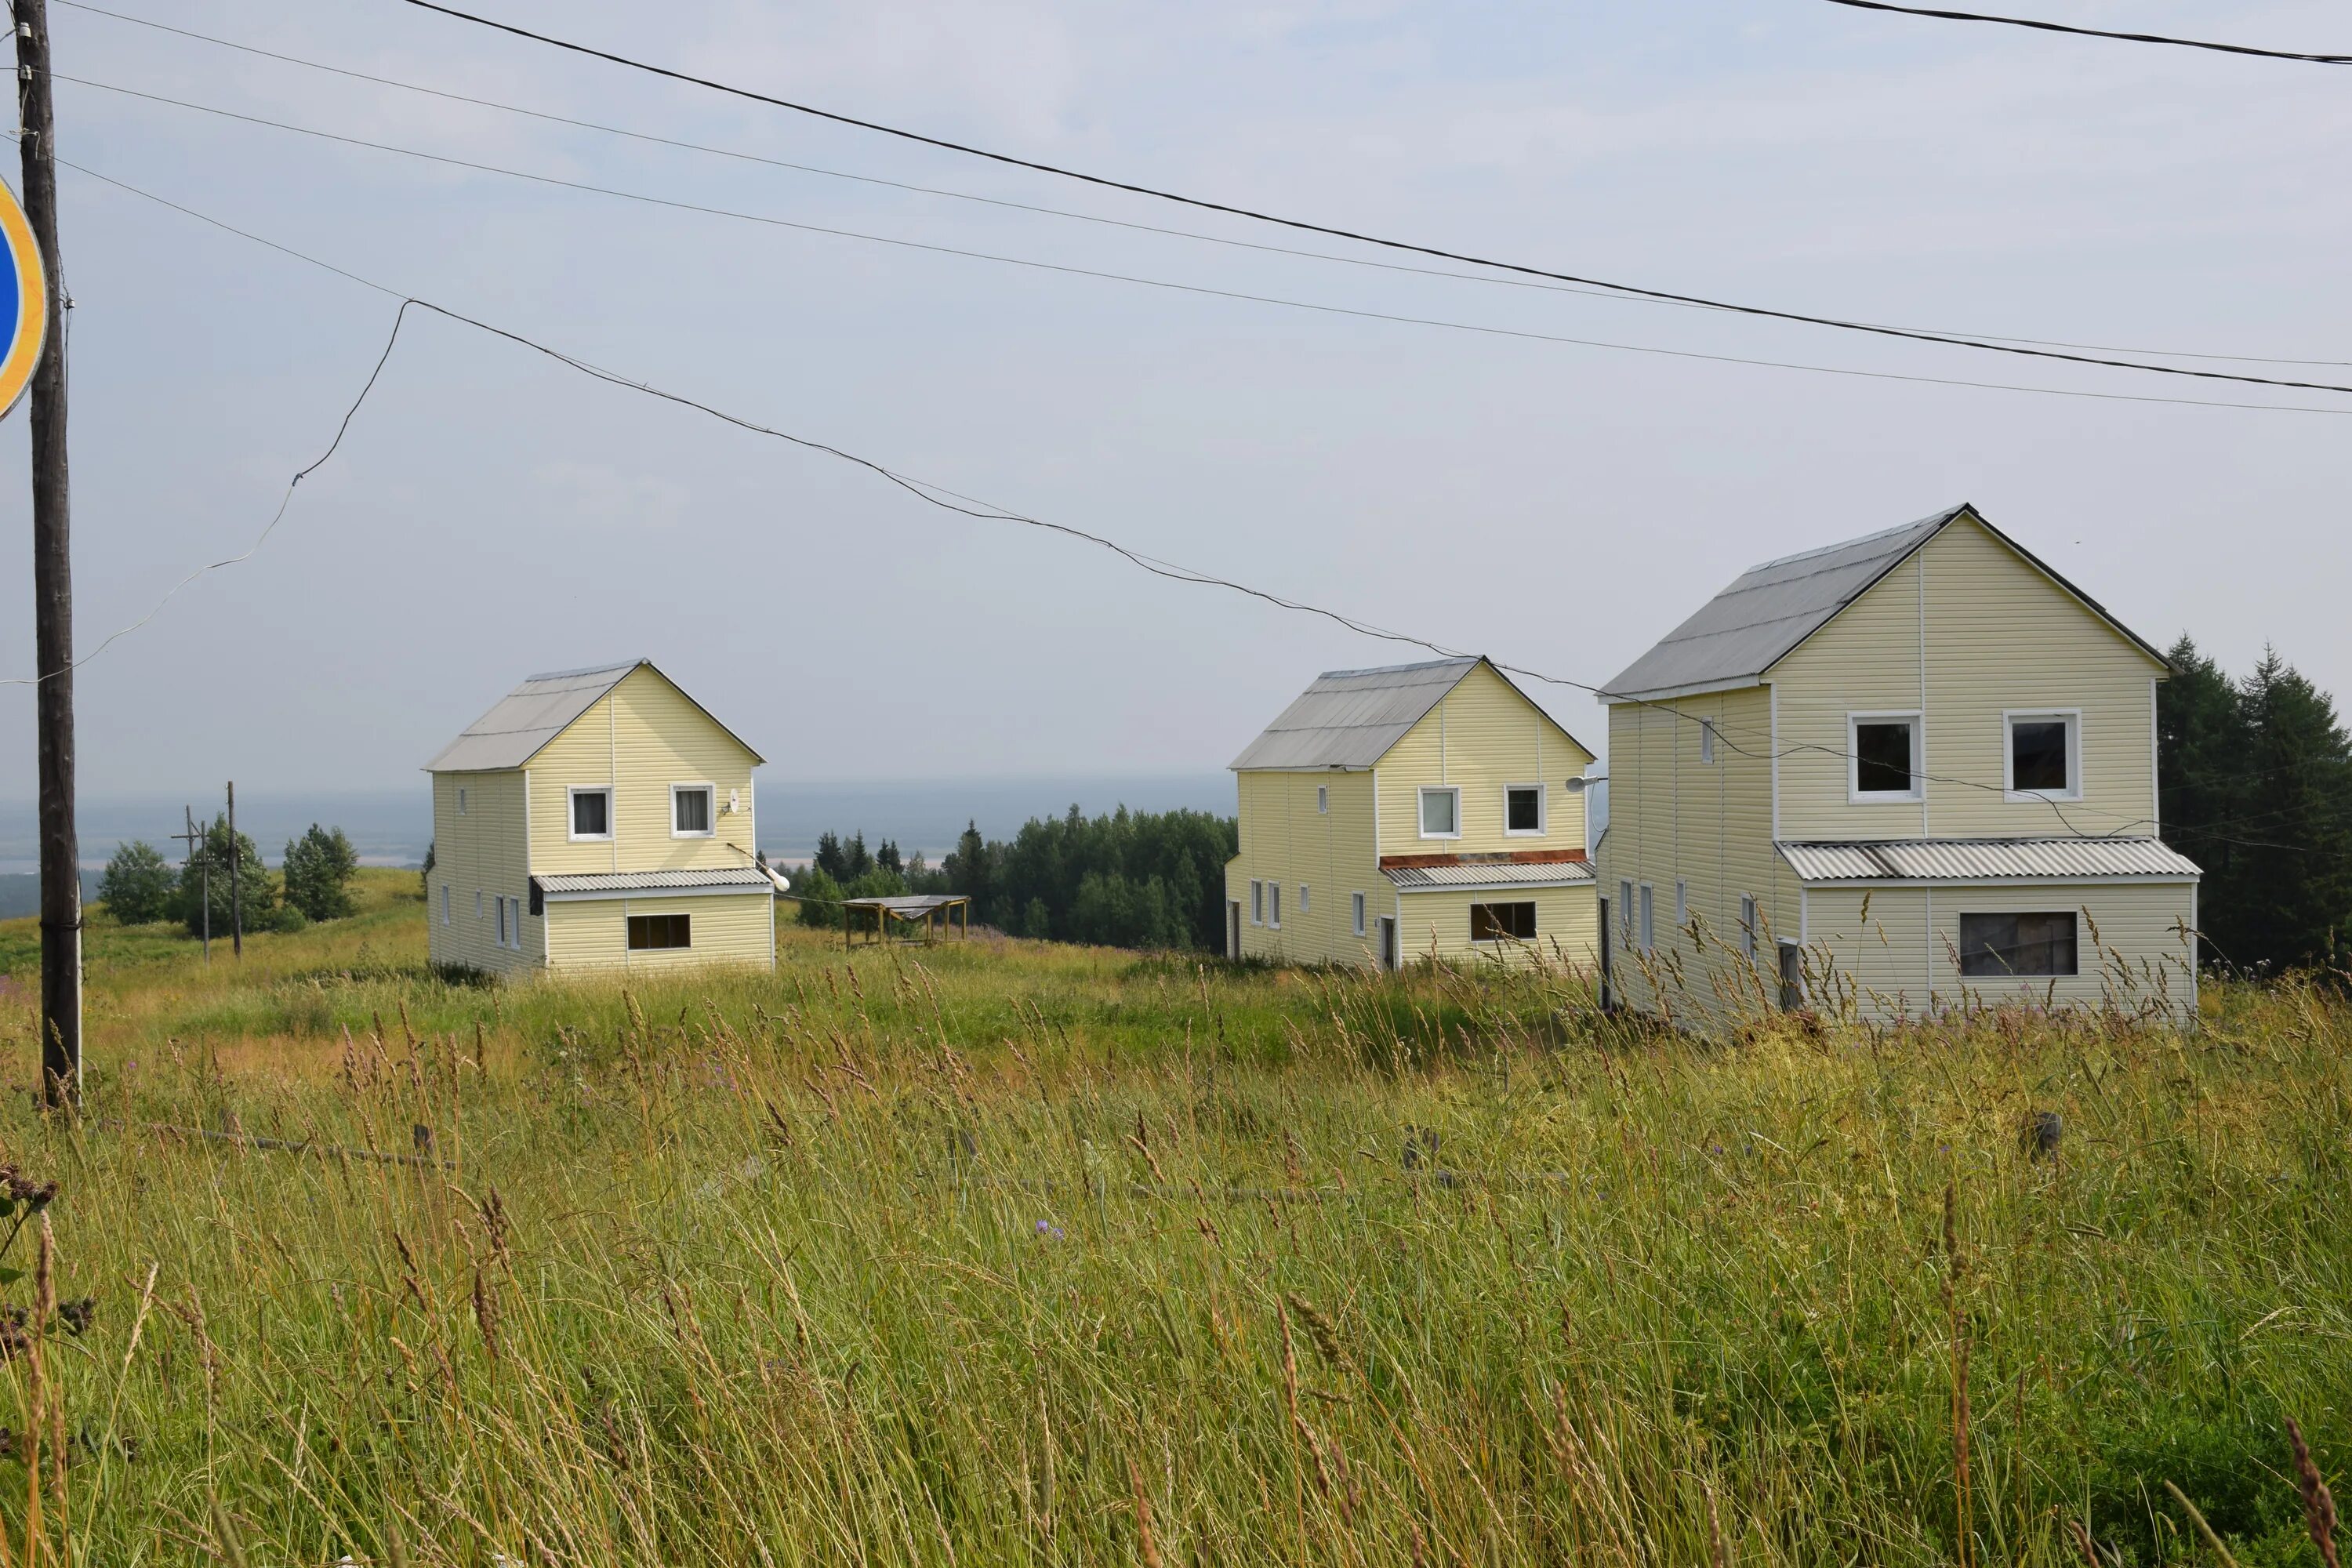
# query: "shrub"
137, 886
820, 898
318, 871
256, 889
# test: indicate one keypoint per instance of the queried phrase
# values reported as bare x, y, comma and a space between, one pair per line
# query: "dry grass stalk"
1718, 1551
2084, 1544
1146, 1545
2204, 1528
2319, 1502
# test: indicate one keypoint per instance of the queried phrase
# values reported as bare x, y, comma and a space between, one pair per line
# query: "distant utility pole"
52, 586
235, 904
204, 875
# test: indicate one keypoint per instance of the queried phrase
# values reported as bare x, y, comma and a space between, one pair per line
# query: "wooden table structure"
934, 912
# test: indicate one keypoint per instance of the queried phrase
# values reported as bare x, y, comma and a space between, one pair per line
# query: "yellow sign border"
24, 354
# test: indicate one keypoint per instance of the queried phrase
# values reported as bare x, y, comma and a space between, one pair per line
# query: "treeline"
1131, 879
312, 883
2256, 787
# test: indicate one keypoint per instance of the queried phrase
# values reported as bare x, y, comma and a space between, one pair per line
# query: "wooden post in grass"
204, 878
235, 904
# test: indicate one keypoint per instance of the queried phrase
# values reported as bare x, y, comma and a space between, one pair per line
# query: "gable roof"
1741, 633
520, 724
1351, 718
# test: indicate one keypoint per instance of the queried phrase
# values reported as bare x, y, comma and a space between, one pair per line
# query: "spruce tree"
2293, 830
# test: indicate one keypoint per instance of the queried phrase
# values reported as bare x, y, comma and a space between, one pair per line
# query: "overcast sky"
491, 514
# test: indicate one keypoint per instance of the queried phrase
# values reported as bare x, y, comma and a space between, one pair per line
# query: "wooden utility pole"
235, 904
52, 585
204, 875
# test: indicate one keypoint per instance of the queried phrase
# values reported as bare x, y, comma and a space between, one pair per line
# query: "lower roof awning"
2068, 859
734, 881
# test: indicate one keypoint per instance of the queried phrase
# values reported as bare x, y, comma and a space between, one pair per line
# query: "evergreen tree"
318, 870
2295, 838
256, 889
137, 886
888, 859
855, 860
971, 867
829, 857
820, 898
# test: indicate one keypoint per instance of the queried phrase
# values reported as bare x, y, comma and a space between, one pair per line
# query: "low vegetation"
1002, 1252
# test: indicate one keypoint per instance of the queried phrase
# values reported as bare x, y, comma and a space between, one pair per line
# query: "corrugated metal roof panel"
1768, 610
1349, 718
526, 719
1977, 860
748, 878
1490, 874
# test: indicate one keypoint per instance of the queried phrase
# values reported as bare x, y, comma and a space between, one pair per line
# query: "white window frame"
1356, 907
1748, 921
1543, 812
1322, 800
1649, 934
2072, 718
1421, 813
505, 937
1305, 903
574, 792
1625, 914
461, 800
1273, 905
478, 903
1681, 904
1707, 741
1257, 902
711, 815
446, 918
1854, 794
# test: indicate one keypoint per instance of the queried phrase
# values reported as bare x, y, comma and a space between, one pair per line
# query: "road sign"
24, 302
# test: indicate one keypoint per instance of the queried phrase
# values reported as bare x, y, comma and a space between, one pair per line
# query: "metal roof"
1489, 874
520, 724
1350, 718
909, 904
1768, 610
1987, 859
748, 878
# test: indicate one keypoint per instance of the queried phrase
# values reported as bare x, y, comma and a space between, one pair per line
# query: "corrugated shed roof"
526, 719
1985, 858
1349, 718
748, 878
1489, 874
1768, 610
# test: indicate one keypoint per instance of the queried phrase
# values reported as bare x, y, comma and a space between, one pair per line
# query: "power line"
974, 507
2064, 27
1199, 288
1098, 218
1987, 344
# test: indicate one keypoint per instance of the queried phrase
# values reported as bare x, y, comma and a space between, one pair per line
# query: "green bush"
256, 890
820, 898
318, 871
137, 886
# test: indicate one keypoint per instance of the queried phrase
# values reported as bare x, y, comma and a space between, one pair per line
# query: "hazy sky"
491, 514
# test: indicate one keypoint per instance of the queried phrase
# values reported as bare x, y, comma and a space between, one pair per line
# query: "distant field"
1009, 1253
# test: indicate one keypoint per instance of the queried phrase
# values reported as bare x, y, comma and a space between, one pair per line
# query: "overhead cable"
1098, 218
1232, 209
2042, 27
1199, 288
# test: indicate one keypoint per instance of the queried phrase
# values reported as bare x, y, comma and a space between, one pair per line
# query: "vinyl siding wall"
1284, 840
1482, 736
1677, 817
1964, 631
640, 738
1438, 925
593, 933
478, 856
1898, 953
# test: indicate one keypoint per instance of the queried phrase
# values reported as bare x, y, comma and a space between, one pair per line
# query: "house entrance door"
1388, 943
1232, 928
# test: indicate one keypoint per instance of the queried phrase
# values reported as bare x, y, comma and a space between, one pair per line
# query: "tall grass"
1009, 1254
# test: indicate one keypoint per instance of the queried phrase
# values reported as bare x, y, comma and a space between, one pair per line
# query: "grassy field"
1008, 1253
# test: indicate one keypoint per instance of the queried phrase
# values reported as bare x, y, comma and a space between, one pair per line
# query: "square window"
2004, 946
653, 933
689, 811
1503, 923
2043, 756
591, 813
1886, 750
1355, 906
1523, 810
1441, 812
1322, 800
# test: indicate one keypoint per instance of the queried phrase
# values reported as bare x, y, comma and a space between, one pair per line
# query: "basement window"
2000, 945
653, 933
1503, 923
2044, 759
1884, 749
591, 813
1523, 811
1441, 812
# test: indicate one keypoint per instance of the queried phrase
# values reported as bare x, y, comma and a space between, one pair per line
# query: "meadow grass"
1009, 1253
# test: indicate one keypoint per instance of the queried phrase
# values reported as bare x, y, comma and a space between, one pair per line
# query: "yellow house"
1910, 772
597, 820
1420, 810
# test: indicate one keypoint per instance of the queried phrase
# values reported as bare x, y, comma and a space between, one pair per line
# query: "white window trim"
1646, 939
1257, 902
1853, 791
2010, 791
572, 792
1304, 902
1420, 811
506, 935
1707, 741
1749, 919
1625, 914
1322, 800
1273, 905
1356, 907
461, 800
446, 918
1681, 904
1543, 812
709, 789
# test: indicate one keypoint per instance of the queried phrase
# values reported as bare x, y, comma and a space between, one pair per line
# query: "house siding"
1284, 839
482, 851
1482, 737
592, 933
1437, 925
639, 739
